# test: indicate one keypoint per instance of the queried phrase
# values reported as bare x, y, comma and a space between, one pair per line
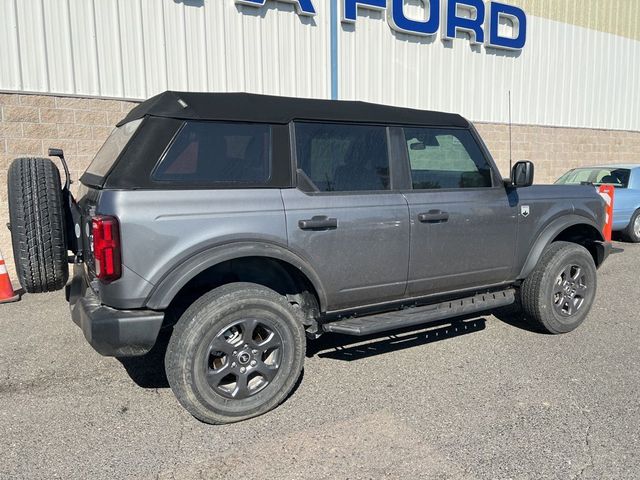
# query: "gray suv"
248, 224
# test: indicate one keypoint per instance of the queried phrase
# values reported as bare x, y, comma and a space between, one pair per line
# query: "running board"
359, 326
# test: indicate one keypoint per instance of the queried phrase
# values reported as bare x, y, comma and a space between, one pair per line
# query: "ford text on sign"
479, 19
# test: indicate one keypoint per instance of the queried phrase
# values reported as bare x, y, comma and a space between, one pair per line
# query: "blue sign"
517, 17
473, 24
480, 20
400, 23
303, 7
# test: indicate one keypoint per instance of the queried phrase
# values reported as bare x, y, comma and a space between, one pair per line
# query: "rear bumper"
111, 332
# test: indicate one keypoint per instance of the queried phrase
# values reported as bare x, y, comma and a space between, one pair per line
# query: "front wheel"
236, 353
632, 232
557, 296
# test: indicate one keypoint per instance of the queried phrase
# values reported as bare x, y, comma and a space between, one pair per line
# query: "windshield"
112, 148
618, 177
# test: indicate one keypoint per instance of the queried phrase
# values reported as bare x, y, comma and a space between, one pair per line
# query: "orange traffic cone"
6, 290
608, 193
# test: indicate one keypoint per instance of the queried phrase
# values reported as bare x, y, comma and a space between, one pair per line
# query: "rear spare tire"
38, 231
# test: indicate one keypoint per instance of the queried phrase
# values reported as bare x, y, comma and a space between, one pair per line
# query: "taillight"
106, 247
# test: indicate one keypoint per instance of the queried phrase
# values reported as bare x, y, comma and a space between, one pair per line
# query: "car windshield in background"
618, 177
112, 148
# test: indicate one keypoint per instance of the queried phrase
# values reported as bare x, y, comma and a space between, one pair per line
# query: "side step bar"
359, 326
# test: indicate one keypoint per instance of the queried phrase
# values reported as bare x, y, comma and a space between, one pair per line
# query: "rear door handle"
433, 216
319, 222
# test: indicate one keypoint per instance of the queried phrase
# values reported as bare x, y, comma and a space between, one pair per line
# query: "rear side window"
112, 148
216, 152
343, 158
446, 158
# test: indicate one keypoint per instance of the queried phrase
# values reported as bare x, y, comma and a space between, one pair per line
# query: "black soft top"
248, 107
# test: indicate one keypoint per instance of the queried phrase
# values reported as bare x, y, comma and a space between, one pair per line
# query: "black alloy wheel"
236, 353
558, 294
243, 358
570, 290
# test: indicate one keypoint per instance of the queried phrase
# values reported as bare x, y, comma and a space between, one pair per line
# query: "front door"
463, 227
344, 218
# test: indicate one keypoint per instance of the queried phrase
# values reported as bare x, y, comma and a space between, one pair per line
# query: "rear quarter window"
112, 148
217, 152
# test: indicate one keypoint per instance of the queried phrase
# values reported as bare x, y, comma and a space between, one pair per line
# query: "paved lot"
496, 402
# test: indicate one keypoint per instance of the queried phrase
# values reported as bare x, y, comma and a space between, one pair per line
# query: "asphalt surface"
490, 401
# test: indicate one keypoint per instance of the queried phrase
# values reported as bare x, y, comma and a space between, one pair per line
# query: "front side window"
343, 158
445, 159
216, 152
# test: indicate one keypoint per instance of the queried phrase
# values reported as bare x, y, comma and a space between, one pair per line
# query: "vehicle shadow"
147, 371
350, 348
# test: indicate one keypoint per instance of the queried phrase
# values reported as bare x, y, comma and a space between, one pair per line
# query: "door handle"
433, 216
319, 222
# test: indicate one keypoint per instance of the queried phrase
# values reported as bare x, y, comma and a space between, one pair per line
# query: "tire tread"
536, 307
176, 362
37, 224
628, 234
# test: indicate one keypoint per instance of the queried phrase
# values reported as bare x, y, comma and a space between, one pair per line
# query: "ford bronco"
248, 224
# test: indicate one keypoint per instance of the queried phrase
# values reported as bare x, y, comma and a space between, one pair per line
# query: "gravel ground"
489, 400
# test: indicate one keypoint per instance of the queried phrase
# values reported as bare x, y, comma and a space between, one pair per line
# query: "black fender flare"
166, 289
551, 231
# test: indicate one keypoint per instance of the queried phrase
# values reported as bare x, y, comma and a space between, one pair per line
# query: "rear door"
344, 217
463, 225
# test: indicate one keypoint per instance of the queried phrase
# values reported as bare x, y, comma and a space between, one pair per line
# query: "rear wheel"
632, 232
557, 296
235, 353
38, 230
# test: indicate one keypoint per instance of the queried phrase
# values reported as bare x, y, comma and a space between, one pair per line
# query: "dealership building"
71, 69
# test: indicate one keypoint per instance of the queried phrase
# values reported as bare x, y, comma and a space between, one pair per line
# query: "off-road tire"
630, 234
187, 361
38, 230
537, 291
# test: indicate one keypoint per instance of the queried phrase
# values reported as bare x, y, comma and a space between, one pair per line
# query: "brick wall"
29, 124
555, 150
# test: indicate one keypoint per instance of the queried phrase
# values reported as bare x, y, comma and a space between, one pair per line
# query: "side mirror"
522, 174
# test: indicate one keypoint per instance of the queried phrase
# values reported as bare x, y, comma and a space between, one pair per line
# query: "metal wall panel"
155, 48
84, 47
109, 46
132, 49
10, 77
136, 48
567, 75
57, 32
32, 45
